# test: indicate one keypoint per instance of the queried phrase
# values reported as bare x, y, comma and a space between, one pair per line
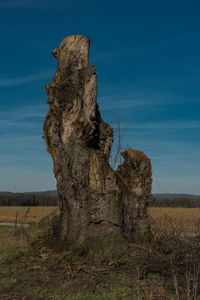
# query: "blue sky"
147, 55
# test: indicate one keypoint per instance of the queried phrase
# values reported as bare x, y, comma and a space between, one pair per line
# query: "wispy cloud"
22, 3
15, 3
170, 124
21, 133
26, 117
24, 112
136, 98
23, 80
120, 102
23, 154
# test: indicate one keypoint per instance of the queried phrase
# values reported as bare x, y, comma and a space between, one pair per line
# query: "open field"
25, 213
184, 219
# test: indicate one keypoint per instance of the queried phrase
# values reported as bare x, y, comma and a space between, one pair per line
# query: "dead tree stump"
100, 209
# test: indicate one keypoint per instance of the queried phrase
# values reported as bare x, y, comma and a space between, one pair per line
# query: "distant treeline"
28, 199
51, 199
168, 200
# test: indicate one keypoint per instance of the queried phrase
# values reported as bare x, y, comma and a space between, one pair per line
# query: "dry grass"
183, 219
35, 214
165, 268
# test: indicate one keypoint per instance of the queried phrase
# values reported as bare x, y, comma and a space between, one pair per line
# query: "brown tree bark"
100, 209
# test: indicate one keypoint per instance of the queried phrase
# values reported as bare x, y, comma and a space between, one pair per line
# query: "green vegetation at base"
57, 294
166, 268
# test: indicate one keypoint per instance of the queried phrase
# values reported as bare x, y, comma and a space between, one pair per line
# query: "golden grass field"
34, 213
164, 218
181, 219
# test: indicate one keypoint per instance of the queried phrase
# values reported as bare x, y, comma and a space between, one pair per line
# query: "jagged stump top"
72, 55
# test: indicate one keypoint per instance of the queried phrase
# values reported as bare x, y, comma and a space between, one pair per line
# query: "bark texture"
99, 207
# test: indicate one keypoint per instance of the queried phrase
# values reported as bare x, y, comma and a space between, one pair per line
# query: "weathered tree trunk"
100, 208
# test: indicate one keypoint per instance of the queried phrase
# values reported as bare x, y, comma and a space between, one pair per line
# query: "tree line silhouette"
189, 201
28, 199
51, 199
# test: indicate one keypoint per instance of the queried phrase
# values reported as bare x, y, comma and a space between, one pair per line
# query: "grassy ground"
29, 273
166, 268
